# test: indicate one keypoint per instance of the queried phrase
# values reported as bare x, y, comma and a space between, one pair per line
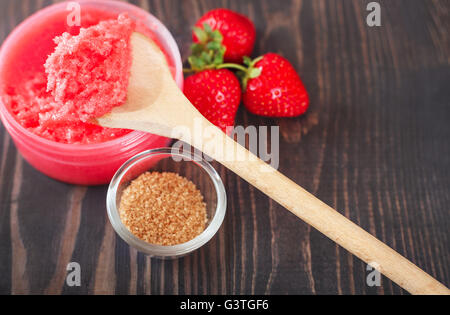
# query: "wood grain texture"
374, 145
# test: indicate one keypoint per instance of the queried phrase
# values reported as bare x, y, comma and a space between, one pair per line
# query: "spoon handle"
156, 105
316, 213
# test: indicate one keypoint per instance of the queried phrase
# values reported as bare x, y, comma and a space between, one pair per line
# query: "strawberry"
272, 87
216, 94
238, 32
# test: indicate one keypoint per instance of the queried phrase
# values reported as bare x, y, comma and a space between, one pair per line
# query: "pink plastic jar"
90, 164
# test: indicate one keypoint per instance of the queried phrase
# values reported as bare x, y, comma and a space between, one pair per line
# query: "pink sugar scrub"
85, 76
88, 74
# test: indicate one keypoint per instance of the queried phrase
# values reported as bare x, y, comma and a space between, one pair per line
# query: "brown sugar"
163, 209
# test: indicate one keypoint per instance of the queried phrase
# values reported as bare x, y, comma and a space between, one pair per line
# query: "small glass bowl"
186, 164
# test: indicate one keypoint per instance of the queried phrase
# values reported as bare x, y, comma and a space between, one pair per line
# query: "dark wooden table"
374, 145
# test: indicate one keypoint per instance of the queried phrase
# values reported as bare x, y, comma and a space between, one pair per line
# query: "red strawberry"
237, 30
273, 88
216, 94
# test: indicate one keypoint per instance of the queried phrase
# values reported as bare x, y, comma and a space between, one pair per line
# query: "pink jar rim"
161, 32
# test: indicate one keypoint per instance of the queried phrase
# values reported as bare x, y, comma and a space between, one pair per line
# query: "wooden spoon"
156, 105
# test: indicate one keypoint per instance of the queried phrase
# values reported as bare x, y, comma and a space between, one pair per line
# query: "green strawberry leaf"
201, 34
213, 46
196, 63
219, 57
207, 28
217, 36
247, 61
206, 56
254, 73
197, 49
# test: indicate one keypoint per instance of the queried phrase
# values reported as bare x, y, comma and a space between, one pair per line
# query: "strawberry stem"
246, 71
232, 66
